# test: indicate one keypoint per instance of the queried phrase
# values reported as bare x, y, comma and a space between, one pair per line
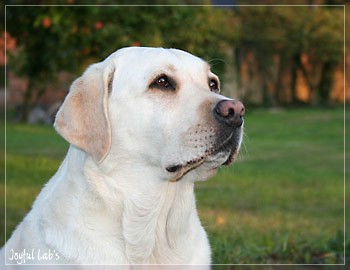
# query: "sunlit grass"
281, 202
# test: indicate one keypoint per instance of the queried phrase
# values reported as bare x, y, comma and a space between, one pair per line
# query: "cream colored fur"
112, 201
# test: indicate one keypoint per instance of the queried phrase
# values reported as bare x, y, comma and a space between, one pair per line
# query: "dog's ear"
83, 117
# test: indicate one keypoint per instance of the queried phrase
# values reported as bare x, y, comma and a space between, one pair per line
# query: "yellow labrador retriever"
143, 125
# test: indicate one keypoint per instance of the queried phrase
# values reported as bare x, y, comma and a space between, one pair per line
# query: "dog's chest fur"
158, 225
155, 223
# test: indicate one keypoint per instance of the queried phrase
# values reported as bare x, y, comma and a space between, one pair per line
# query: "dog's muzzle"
223, 149
229, 113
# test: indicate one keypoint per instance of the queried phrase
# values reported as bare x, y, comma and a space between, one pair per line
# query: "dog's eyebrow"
171, 68
207, 68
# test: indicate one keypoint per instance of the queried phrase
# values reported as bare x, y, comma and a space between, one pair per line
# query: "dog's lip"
232, 156
173, 168
230, 146
181, 169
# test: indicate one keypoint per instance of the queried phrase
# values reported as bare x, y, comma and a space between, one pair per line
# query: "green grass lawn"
281, 202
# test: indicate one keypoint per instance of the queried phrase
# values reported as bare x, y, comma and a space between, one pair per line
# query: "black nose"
230, 112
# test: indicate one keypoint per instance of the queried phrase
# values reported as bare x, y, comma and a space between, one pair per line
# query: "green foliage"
294, 30
288, 39
54, 38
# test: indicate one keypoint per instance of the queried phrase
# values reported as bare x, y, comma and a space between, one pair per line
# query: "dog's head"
153, 107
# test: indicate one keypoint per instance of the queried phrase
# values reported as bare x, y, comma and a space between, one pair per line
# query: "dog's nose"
230, 112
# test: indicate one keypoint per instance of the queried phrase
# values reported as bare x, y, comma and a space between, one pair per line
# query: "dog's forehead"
149, 59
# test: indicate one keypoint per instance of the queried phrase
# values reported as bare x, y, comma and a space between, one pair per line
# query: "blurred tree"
55, 38
293, 39
50, 39
318, 37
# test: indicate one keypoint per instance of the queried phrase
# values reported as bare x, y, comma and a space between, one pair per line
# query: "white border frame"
344, 138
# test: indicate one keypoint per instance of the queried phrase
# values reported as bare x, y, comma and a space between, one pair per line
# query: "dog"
143, 125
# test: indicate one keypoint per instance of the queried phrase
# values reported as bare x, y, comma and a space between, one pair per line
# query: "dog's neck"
155, 215
149, 217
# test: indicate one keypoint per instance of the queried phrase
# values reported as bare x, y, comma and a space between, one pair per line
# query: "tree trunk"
26, 105
293, 83
325, 84
312, 77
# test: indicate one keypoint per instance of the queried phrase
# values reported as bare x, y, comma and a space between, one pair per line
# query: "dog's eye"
214, 86
163, 82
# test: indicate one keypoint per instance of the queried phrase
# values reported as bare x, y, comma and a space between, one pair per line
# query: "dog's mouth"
224, 152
